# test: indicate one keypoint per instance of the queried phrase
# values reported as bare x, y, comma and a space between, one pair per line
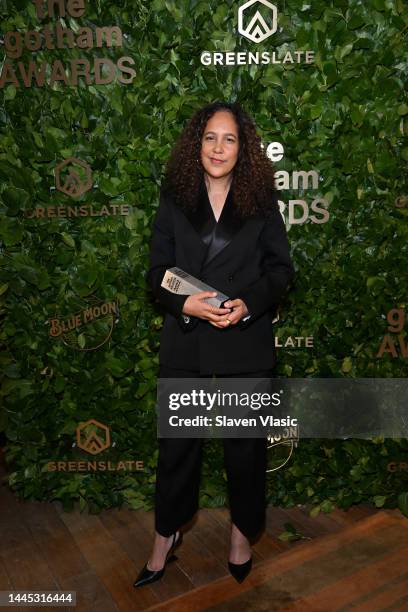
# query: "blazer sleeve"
266, 293
162, 257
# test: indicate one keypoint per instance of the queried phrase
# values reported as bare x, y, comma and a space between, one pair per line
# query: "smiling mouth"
214, 160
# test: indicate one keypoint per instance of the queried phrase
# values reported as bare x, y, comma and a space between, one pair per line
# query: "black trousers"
179, 468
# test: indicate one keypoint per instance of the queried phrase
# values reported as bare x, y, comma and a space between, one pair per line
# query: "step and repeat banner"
94, 95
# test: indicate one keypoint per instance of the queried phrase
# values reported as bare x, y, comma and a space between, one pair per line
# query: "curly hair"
253, 174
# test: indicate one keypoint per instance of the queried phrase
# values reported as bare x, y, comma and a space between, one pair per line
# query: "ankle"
237, 537
161, 547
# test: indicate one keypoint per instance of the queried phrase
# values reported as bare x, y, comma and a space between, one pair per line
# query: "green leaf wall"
345, 115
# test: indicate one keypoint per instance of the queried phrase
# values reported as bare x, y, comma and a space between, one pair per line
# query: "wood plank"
91, 593
389, 595
60, 560
358, 585
53, 538
396, 512
275, 525
308, 526
27, 568
13, 530
5, 582
23, 561
340, 516
357, 513
144, 519
345, 517
110, 562
329, 521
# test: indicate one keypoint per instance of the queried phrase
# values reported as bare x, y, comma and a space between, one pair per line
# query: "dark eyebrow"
228, 134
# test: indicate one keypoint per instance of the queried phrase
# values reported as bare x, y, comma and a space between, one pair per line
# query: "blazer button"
231, 277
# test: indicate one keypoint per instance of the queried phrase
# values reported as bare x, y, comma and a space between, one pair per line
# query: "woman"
218, 219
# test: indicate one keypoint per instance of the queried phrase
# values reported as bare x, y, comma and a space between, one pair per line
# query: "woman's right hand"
195, 306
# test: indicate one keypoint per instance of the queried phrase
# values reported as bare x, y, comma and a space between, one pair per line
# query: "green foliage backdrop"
345, 115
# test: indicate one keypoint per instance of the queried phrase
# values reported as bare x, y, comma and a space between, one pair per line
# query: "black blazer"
247, 259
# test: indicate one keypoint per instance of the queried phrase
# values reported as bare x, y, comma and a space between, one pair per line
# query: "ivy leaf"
81, 340
403, 502
314, 511
379, 500
68, 239
10, 92
346, 365
11, 231
15, 199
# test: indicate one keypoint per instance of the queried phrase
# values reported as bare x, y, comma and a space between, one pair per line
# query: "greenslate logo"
259, 27
257, 21
93, 437
73, 177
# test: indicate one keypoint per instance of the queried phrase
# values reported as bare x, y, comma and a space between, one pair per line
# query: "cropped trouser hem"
178, 480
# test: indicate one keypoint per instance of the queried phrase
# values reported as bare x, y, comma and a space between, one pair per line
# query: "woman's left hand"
239, 311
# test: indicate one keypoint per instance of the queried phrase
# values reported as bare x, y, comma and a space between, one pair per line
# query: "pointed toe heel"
240, 570
147, 576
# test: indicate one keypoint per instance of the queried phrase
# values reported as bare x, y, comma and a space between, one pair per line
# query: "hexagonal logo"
73, 177
257, 20
93, 437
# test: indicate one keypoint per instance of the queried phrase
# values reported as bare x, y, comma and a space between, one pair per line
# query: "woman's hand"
195, 306
239, 311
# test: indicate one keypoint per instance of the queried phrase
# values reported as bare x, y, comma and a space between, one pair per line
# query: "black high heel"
240, 570
147, 576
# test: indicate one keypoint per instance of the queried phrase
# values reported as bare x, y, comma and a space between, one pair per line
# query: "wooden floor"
361, 568
42, 547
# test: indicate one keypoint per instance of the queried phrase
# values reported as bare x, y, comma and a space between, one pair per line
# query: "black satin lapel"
228, 225
214, 237
202, 218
